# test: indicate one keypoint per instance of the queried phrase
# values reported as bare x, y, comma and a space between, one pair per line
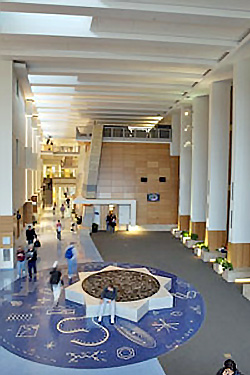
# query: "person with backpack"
20, 257
30, 234
56, 283
70, 255
59, 230
32, 258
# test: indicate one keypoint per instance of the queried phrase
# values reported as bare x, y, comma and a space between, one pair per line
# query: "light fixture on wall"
187, 144
186, 113
188, 127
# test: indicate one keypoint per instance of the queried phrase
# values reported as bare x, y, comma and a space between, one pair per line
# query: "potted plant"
191, 240
218, 265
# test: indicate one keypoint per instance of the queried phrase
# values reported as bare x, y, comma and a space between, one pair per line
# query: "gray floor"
226, 329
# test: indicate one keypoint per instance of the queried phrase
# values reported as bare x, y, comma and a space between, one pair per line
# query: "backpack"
55, 277
69, 253
20, 256
37, 243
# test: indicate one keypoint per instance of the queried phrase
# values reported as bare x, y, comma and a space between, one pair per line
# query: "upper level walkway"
125, 134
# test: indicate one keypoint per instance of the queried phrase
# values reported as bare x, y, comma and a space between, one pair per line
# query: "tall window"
17, 152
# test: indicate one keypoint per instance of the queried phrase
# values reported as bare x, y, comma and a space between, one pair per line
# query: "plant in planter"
224, 265
185, 233
194, 236
198, 247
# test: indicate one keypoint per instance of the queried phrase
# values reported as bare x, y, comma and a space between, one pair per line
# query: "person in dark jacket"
32, 258
109, 295
229, 368
56, 283
30, 235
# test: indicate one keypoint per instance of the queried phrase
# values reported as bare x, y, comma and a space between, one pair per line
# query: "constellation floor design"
65, 337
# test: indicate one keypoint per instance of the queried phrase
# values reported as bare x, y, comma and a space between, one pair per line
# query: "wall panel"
121, 168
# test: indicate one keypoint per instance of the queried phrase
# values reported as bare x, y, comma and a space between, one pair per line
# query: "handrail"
115, 132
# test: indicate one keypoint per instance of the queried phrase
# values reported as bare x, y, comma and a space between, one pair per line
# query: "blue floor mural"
63, 337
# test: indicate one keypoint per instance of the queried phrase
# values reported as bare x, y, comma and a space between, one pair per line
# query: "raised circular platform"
64, 337
130, 285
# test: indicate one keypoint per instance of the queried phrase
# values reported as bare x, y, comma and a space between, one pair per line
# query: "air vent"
223, 56
177, 101
206, 72
194, 84
144, 179
185, 93
162, 179
244, 36
170, 107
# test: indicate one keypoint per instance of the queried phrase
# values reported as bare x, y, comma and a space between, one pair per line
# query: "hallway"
227, 311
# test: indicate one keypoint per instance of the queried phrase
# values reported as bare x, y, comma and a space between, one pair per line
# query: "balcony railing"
69, 150
120, 134
139, 135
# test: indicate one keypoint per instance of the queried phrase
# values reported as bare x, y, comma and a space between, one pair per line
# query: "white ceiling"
120, 62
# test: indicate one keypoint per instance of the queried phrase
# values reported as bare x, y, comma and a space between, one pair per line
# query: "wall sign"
153, 197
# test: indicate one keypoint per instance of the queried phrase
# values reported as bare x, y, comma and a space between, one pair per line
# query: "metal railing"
61, 149
139, 134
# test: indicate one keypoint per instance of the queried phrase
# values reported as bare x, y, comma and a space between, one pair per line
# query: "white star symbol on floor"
50, 345
163, 324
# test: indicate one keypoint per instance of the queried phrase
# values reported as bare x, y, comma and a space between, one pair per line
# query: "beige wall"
121, 168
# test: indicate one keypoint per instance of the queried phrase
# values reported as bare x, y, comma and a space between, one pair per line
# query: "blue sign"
153, 197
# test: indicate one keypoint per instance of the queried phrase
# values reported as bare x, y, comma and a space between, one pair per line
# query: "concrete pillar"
176, 133
6, 200
185, 167
239, 233
218, 157
199, 166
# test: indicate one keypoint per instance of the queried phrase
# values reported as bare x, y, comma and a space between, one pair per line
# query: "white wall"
6, 138
18, 133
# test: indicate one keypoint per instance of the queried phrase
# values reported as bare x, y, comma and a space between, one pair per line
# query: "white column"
199, 161
218, 155
6, 77
185, 162
240, 187
176, 133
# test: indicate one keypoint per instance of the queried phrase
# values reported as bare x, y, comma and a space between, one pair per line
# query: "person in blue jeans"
20, 257
32, 258
71, 256
108, 296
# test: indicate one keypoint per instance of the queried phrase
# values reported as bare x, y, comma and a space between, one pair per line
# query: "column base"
216, 238
239, 254
198, 228
183, 222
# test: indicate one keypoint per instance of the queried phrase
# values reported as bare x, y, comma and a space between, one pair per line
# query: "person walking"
54, 208
71, 256
30, 234
32, 258
113, 223
68, 202
108, 296
108, 222
20, 257
62, 209
59, 230
56, 283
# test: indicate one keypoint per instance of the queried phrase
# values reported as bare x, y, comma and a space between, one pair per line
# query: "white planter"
218, 268
173, 230
197, 251
246, 291
210, 256
237, 273
190, 243
177, 234
185, 239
